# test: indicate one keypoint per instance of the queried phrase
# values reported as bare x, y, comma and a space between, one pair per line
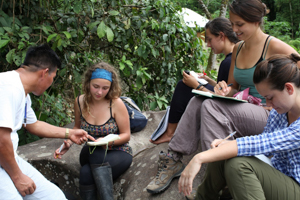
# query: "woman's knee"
235, 166
86, 175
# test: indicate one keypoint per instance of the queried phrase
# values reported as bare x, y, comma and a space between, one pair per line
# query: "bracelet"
67, 134
199, 86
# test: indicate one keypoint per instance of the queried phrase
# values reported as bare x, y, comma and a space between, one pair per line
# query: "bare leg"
167, 135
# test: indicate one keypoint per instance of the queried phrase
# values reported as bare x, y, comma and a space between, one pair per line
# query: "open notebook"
105, 140
210, 95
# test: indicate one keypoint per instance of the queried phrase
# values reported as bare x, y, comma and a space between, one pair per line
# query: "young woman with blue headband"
100, 112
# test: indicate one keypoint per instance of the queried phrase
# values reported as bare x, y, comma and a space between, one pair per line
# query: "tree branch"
204, 8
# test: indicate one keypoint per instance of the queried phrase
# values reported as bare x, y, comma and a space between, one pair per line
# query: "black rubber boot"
103, 180
88, 192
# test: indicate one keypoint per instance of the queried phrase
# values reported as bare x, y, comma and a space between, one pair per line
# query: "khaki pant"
206, 119
247, 178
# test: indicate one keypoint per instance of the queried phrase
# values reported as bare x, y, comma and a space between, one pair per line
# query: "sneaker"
192, 196
168, 169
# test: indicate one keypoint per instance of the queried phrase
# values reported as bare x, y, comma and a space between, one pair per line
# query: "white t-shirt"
12, 105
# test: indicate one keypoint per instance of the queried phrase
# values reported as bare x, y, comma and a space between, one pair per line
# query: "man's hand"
79, 136
24, 185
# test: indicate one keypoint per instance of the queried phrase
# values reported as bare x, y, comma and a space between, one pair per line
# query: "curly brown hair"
114, 91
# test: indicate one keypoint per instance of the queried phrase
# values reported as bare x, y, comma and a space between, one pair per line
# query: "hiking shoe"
192, 196
168, 169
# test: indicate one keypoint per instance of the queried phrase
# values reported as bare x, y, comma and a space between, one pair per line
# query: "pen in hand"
230, 135
227, 86
60, 148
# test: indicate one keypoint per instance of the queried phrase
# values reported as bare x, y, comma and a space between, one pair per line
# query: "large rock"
130, 186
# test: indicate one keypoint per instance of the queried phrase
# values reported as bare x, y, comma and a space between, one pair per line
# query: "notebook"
211, 95
105, 140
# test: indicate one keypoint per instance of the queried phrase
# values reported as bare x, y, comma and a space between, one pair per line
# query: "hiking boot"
192, 196
168, 169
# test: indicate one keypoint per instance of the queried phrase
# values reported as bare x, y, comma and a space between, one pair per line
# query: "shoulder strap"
130, 103
238, 51
79, 105
264, 53
239, 48
110, 108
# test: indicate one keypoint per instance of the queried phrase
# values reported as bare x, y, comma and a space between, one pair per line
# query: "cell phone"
187, 72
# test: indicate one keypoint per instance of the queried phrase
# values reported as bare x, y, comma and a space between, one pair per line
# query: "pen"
60, 148
227, 86
230, 135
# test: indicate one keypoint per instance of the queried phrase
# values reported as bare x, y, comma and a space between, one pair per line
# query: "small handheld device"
200, 80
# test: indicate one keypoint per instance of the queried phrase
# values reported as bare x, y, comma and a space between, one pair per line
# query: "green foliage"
52, 109
280, 30
146, 41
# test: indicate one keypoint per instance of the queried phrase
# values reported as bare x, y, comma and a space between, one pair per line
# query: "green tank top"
244, 77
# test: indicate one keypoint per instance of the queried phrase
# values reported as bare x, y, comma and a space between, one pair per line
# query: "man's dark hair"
41, 57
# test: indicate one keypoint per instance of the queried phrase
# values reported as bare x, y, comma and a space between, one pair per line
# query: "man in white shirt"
20, 180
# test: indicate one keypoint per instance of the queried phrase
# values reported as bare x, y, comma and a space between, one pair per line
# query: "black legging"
180, 100
119, 161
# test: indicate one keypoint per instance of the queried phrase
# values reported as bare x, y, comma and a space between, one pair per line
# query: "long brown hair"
278, 70
249, 10
114, 91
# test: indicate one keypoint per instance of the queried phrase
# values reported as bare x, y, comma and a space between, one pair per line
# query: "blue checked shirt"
278, 139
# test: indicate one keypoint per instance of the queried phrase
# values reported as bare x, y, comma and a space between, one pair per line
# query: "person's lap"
44, 188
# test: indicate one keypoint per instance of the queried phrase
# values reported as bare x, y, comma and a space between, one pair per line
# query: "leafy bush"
146, 41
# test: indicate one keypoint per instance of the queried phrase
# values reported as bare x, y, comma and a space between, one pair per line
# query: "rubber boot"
103, 180
88, 192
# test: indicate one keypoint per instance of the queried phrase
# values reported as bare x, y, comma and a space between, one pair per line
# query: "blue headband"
102, 73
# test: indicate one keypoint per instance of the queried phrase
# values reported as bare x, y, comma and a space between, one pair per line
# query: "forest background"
147, 41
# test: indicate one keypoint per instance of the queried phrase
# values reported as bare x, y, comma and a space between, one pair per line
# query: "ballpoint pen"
60, 148
227, 86
230, 135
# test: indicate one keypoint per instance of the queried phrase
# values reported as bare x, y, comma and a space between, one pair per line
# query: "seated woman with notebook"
233, 163
101, 112
206, 119
221, 39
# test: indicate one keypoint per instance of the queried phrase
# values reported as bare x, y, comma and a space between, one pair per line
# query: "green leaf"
165, 37
3, 43
113, 12
50, 37
159, 104
45, 29
9, 56
8, 29
77, 7
3, 22
122, 66
93, 24
68, 35
101, 30
110, 34
153, 105
62, 72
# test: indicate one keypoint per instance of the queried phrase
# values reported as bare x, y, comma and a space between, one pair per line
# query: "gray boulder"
130, 186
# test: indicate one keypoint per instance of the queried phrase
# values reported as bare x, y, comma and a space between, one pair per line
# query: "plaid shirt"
280, 140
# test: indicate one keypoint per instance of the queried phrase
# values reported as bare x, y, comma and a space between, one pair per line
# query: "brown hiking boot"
168, 169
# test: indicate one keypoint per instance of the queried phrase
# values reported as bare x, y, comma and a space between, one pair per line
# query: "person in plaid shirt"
236, 163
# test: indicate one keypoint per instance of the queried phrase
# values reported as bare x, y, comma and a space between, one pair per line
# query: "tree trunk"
204, 8
292, 21
223, 8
